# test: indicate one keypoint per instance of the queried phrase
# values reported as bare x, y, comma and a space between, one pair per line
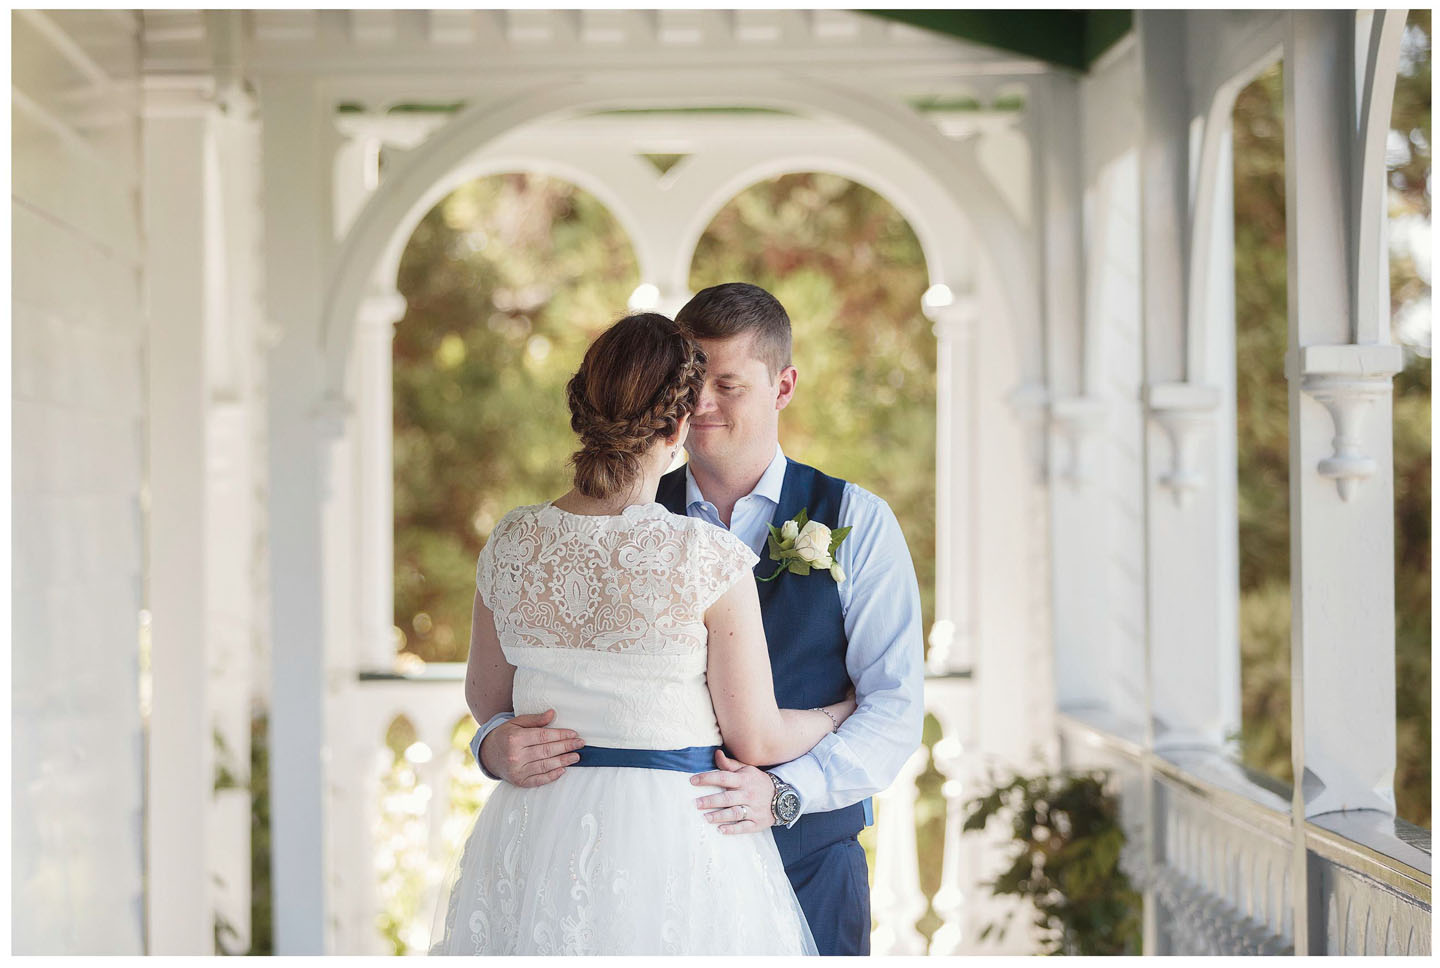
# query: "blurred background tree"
849, 271
506, 281
1262, 419
509, 278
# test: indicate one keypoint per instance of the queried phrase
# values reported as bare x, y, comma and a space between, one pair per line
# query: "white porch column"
1194, 664
199, 220
376, 526
1341, 479
296, 226
178, 202
952, 636
1077, 513
233, 471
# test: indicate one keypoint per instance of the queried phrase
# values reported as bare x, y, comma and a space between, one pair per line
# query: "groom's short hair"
735, 308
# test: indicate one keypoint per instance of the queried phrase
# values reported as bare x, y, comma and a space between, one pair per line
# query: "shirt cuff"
480, 735
806, 775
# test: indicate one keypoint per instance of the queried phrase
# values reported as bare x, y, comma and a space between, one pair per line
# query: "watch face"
787, 806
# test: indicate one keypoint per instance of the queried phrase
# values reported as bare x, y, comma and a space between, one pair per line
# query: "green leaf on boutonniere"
773, 542
836, 536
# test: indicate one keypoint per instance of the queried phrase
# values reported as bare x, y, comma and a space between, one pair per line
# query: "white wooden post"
1194, 666
952, 636
1341, 478
233, 250
178, 196
1077, 513
296, 224
374, 345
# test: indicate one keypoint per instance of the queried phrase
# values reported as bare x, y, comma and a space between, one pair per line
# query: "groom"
823, 635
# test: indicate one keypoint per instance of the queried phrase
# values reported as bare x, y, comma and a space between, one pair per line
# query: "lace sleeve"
485, 567
484, 571
721, 559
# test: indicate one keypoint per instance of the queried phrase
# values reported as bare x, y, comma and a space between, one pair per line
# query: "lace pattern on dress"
637, 582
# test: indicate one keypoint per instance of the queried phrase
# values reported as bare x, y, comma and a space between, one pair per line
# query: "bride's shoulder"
518, 517
710, 535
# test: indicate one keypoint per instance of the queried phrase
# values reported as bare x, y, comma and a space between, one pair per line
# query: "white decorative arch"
380, 230
477, 166
940, 259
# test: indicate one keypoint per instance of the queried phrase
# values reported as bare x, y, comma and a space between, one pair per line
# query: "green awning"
1067, 38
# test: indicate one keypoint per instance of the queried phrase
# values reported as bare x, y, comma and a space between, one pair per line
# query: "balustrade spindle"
945, 699
897, 899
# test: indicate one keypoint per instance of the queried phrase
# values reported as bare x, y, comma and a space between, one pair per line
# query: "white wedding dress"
603, 619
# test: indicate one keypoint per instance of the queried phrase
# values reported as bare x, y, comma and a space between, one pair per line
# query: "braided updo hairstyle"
640, 378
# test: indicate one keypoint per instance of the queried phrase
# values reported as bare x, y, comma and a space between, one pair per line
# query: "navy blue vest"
805, 629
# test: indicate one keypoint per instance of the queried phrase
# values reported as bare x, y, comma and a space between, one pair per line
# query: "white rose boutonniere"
801, 545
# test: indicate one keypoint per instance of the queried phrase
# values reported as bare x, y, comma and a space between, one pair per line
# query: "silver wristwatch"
786, 804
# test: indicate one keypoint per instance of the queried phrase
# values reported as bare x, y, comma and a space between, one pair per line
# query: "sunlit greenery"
410, 879
506, 281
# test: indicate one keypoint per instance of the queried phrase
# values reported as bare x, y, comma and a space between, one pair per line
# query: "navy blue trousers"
833, 885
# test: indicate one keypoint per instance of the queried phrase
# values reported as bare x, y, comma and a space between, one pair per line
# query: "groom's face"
738, 417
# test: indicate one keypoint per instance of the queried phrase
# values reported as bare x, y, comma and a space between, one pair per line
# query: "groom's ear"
785, 387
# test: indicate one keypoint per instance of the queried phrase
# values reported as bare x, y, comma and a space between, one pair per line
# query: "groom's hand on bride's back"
527, 753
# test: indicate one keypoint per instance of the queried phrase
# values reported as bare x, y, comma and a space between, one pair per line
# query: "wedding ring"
744, 811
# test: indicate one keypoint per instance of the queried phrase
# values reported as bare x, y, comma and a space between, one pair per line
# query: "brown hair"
735, 308
639, 379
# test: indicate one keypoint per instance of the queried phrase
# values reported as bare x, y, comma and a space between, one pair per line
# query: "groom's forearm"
860, 760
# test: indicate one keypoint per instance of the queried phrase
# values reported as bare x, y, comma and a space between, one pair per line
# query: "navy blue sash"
692, 759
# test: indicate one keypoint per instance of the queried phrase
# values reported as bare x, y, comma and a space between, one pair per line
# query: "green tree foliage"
1410, 220
506, 282
850, 273
509, 278
1263, 429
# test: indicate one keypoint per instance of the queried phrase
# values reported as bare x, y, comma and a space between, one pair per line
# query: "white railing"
1219, 857
1217, 874
433, 703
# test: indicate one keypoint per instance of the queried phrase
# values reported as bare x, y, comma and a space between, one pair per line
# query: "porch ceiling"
1066, 38
440, 48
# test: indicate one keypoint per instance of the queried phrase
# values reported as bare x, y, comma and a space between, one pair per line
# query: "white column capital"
956, 320
380, 311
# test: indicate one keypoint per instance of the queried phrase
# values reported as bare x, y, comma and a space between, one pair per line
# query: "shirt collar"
767, 487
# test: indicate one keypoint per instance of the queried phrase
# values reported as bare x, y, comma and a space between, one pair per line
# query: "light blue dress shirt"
880, 600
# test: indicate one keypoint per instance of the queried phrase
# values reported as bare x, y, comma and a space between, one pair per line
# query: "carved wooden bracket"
1182, 410
1029, 401
1346, 380
1075, 420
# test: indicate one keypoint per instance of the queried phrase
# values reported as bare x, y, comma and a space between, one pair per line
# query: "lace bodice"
604, 618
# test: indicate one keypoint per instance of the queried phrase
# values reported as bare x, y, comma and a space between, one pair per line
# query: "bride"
642, 630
